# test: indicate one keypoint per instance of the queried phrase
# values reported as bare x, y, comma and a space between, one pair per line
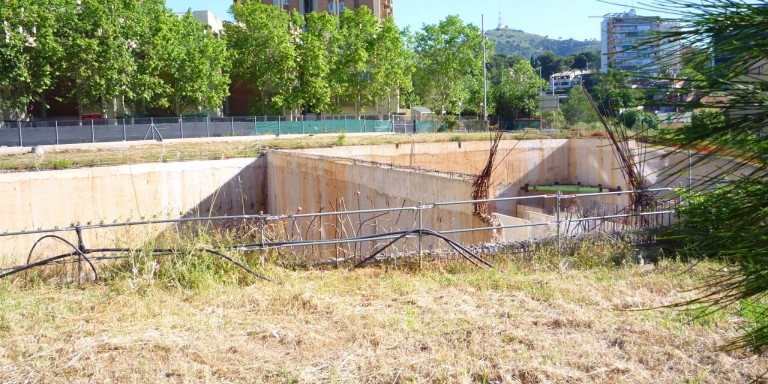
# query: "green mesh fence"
519, 125
425, 126
321, 126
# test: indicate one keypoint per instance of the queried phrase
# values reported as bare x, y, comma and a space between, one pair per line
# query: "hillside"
516, 42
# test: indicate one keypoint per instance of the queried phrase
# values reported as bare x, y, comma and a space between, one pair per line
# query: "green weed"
341, 140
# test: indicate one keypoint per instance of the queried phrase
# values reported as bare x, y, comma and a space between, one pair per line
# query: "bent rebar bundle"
80, 253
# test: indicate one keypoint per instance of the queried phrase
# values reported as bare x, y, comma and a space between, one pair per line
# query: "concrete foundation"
321, 180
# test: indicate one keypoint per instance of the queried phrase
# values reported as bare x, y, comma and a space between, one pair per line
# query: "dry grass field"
446, 323
86, 155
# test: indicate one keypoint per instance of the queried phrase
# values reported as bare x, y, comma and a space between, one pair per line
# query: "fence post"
559, 194
125, 134
81, 248
302, 126
207, 130
232, 124
278, 126
21, 140
93, 133
261, 230
181, 126
421, 226
56, 124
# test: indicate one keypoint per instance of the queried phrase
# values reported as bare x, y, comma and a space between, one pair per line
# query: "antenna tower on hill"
501, 23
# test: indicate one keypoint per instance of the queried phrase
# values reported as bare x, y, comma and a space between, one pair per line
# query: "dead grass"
142, 152
447, 323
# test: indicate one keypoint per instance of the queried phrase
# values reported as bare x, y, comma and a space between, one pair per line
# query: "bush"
637, 119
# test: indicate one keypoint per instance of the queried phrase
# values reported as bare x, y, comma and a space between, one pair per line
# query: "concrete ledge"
202, 140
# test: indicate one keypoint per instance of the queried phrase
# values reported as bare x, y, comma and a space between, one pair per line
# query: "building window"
341, 7
330, 7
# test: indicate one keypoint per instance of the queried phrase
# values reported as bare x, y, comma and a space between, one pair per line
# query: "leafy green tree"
498, 65
357, 40
586, 60
263, 54
151, 40
518, 94
195, 73
390, 66
637, 119
448, 55
577, 108
550, 64
95, 38
315, 55
613, 92
28, 51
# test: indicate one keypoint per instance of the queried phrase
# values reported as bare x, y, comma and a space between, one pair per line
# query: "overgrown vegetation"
726, 216
529, 320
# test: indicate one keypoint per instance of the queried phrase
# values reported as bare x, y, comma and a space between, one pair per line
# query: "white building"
209, 19
621, 34
567, 80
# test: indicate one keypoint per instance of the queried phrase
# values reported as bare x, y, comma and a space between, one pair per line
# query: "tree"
315, 54
498, 65
726, 216
151, 41
263, 54
613, 92
195, 73
357, 33
28, 51
550, 64
577, 108
390, 67
586, 60
518, 94
97, 62
449, 56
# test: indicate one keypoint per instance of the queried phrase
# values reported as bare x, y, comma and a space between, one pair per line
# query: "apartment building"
381, 8
621, 34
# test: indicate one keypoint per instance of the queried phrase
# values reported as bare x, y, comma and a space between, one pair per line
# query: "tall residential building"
381, 8
621, 32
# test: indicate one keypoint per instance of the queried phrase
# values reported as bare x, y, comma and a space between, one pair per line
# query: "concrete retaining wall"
50, 199
317, 184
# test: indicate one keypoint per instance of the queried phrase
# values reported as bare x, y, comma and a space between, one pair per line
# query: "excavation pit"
345, 178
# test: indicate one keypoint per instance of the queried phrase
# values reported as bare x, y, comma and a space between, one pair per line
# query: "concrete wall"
321, 179
320, 184
50, 199
543, 162
586, 161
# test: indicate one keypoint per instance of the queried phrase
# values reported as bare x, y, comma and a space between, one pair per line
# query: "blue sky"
553, 18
